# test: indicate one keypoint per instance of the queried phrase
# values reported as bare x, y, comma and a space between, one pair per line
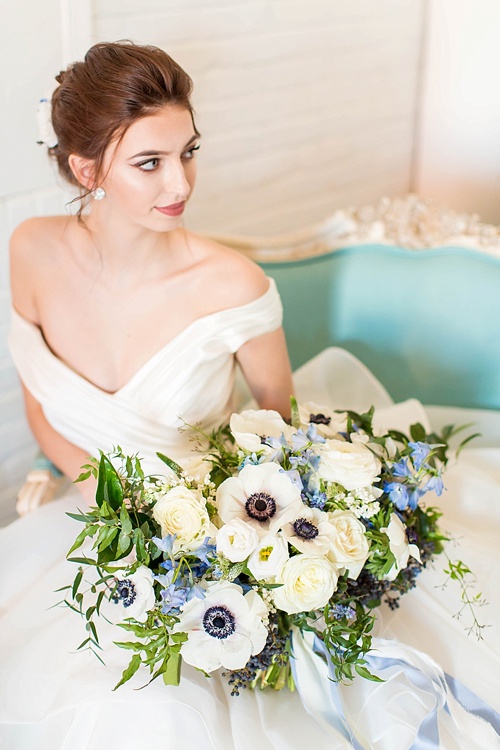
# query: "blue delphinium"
166, 544
401, 468
398, 493
419, 453
174, 595
435, 484
316, 499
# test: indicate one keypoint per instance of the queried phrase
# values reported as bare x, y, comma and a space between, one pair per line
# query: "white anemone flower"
398, 544
224, 629
310, 531
135, 594
251, 427
267, 560
262, 496
328, 422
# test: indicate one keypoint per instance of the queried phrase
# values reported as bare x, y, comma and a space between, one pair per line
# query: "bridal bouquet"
286, 529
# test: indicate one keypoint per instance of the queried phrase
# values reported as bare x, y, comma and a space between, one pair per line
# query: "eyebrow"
165, 153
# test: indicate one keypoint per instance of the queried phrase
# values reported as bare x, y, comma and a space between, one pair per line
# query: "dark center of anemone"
305, 529
319, 419
260, 506
125, 592
219, 622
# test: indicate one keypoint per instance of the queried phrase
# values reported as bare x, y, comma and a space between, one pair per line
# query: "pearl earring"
99, 193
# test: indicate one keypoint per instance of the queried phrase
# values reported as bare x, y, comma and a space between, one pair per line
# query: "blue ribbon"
433, 681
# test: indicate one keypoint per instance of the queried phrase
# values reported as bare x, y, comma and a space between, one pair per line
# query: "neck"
125, 253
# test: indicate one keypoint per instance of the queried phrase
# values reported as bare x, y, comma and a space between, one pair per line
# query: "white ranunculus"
237, 540
308, 583
350, 546
135, 593
399, 546
328, 422
267, 560
182, 512
251, 426
351, 465
261, 495
224, 629
310, 531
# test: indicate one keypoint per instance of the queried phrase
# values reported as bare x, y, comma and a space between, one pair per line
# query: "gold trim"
410, 222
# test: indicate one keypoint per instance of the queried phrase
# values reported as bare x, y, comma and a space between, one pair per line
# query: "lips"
175, 209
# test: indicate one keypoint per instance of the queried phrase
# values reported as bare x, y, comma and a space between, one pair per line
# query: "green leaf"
295, 418
88, 531
130, 671
78, 517
125, 520
467, 440
109, 486
106, 537
130, 645
171, 464
172, 673
82, 560
123, 543
417, 432
76, 583
82, 477
364, 672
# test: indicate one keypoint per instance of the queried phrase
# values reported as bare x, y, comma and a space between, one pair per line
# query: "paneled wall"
303, 107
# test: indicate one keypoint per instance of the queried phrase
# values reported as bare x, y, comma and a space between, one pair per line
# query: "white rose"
134, 593
350, 547
267, 560
308, 583
351, 465
182, 512
398, 544
236, 540
250, 427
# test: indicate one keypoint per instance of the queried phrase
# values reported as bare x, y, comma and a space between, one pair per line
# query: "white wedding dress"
54, 699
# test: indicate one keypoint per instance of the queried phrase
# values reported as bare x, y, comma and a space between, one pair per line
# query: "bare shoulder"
31, 247
236, 279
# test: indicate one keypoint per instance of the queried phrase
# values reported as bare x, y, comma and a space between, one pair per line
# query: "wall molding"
76, 29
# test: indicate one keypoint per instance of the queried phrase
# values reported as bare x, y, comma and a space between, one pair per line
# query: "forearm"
266, 368
68, 457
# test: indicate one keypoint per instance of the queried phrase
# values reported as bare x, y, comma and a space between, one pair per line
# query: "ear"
83, 169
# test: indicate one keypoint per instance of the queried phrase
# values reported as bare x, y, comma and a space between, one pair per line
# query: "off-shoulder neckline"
202, 319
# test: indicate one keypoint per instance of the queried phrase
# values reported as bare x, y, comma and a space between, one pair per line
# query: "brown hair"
98, 99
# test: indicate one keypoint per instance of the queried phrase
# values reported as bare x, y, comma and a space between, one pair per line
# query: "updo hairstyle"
98, 99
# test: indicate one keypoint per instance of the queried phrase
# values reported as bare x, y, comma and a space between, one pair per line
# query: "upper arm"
31, 405
22, 259
266, 367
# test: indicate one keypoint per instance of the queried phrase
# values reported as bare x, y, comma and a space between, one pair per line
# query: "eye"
149, 165
187, 155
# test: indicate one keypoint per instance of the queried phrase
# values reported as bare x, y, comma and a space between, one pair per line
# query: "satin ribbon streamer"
417, 707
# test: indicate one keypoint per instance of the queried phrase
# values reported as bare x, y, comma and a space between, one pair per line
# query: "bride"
123, 321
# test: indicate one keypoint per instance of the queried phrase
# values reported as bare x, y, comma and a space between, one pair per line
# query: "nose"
176, 182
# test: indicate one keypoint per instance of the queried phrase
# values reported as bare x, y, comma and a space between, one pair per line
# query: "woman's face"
150, 173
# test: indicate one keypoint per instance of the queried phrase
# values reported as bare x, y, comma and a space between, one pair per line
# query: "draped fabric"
143, 415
